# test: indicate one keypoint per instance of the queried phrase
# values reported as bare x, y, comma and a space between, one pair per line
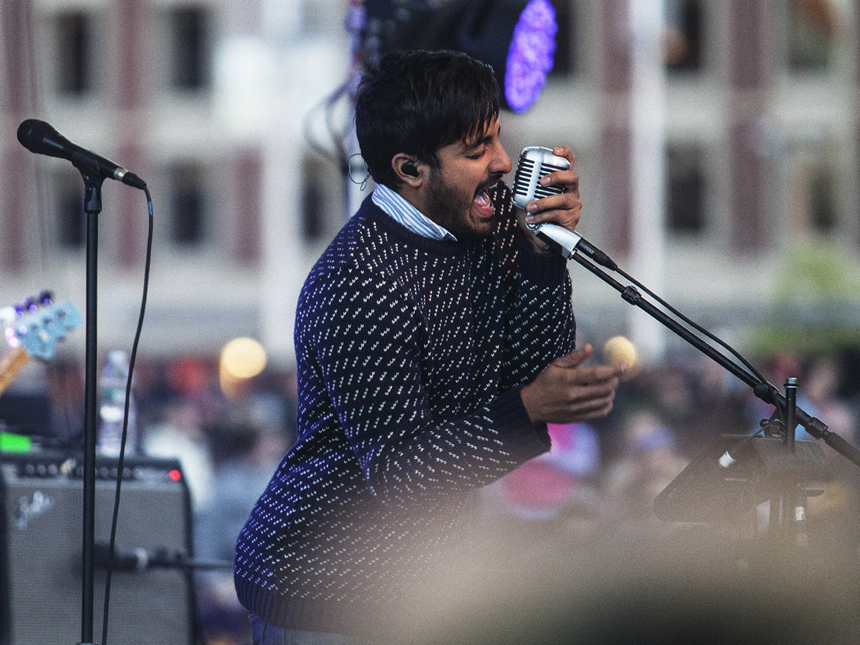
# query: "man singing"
434, 341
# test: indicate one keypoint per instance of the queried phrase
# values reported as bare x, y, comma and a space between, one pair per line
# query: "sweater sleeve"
540, 324
364, 348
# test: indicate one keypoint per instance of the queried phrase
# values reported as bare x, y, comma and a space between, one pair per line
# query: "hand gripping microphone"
534, 163
43, 139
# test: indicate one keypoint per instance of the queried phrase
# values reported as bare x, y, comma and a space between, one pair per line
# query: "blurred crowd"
597, 485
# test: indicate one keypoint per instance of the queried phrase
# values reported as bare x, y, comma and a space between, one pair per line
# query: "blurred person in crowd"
718, 406
666, 388
195, 379
649, 462
695, 398
268, 401
821, 388
835, 515
434, 341
551, 501
779, 367
152, 391
243, 459
180, 435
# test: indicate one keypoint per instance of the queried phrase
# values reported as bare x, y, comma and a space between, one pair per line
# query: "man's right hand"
565, 392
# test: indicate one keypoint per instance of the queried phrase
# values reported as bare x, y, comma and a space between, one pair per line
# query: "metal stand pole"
92, 208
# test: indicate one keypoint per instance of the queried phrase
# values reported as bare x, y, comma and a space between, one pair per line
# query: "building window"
565, 60
323, 210
814, 190
187, 205
685, 195
313, 199
683, 36
812, 27
191, 53
811, 188
74, 53
822, 205
71, 223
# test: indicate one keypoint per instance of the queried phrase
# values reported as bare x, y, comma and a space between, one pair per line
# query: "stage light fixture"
515, 37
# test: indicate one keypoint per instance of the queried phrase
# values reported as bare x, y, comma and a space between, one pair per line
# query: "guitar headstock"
38, 324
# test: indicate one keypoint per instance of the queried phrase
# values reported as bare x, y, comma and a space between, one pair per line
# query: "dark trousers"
264, 633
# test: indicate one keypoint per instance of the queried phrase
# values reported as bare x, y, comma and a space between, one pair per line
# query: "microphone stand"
40, 138
788, 468
763, 390
92, 206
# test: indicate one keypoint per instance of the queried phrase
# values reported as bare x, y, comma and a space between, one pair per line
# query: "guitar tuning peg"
8, 315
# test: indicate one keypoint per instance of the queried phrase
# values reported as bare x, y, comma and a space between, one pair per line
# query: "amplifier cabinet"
41, 547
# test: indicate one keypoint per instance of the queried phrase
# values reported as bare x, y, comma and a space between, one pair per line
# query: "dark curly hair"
416, 102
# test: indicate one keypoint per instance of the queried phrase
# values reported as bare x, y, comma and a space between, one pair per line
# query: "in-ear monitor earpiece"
409, 168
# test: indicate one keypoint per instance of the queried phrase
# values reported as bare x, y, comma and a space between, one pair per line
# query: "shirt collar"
407, 215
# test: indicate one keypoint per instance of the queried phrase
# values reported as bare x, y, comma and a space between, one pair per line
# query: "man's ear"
408, 169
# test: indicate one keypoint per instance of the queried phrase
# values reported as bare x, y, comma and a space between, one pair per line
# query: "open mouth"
482, 200
484, 204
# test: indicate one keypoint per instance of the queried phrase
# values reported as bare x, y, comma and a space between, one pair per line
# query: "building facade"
716, 146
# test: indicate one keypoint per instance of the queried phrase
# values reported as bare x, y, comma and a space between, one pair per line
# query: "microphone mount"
567, 242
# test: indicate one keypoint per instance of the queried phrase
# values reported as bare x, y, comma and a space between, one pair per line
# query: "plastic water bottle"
112, 386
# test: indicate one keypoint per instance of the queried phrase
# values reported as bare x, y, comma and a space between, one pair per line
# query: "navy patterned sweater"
411, 353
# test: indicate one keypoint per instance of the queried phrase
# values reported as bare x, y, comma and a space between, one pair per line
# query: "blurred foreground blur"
567, 548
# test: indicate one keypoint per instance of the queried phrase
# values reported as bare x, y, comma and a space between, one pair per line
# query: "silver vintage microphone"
534, 163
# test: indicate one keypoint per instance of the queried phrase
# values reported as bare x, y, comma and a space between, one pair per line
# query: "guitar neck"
10, 364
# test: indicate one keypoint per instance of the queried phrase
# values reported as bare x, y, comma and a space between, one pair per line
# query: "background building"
717, 143
716, 140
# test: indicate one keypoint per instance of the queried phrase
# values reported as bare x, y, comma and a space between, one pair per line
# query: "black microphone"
43, 139
124, 558
534, 163
736, 452
137, 559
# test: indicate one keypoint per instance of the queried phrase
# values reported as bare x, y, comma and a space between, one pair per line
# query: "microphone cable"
751, 369
339, 136
121, 459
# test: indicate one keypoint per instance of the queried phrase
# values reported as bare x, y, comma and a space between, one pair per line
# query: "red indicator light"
175, 475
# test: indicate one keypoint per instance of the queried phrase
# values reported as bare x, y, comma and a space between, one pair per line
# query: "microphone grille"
29, 132
39, 137
522, 180
534, 163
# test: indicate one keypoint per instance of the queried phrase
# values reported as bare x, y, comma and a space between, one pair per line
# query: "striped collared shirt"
407, 215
